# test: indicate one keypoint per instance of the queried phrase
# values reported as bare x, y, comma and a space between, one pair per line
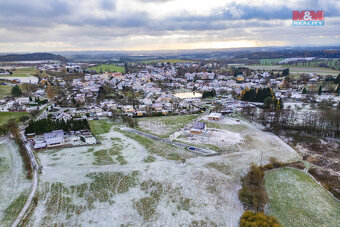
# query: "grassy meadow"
108, 68
296, 199
5, 116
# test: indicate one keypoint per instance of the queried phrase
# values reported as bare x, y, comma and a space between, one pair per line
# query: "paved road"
198, 150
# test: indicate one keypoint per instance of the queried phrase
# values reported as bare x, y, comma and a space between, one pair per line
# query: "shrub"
258, 219
24, 118
253, 194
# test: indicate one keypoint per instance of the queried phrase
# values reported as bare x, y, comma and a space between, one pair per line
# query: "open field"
14, 187
25, 70
315, 63
164, 126
329, 63
5, 90
317, 70
297, 200
21, 72
132, 180
5, 116
296, 69
100, 126
272, 61
108, 68
172, 61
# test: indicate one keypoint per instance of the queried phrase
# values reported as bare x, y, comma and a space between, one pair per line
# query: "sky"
81, 25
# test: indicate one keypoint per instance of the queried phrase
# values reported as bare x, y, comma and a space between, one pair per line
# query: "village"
157, 89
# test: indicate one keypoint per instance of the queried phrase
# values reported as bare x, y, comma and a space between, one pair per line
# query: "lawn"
100, 126
5, 90
164, 126
108, 68
172, 61
297, 200
5, 116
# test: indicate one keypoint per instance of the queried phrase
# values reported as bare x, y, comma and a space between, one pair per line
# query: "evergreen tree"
337, 79
267, 102
304, 91
101, 93
285, 72
126, 68
16, 91
320, 90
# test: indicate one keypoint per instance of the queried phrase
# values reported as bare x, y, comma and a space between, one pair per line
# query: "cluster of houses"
157, 86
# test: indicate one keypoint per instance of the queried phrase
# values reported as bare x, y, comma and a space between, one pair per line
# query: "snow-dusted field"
13, 183
120, 182
165, 125
315, 206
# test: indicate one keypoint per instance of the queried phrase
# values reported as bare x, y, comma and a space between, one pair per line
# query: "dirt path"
33, 189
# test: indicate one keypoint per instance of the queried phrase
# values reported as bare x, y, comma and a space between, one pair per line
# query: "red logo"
308, 15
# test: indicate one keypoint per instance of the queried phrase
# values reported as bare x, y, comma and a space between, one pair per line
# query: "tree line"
207, 94
323, 123
48, 125
256, 94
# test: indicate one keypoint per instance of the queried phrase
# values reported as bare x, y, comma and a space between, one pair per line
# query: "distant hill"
291, 54
32, 57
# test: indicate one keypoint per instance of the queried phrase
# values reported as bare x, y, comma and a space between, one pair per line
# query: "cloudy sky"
57, 25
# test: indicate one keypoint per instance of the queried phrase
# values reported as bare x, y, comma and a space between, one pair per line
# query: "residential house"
215, 116
198, 127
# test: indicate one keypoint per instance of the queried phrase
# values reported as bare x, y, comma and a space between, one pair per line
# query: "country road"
198, 150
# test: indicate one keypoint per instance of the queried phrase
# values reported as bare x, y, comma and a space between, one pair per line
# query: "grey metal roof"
199, 125
54, 137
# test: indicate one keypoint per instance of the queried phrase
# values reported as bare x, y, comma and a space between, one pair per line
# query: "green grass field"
297, 200
25, 70
5, 90
312, 64
5, 116
172, 61
329, 63
108, 68
100, 126
270, 61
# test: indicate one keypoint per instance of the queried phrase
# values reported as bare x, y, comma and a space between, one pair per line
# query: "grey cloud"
108, 4
36, 20
34, 8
